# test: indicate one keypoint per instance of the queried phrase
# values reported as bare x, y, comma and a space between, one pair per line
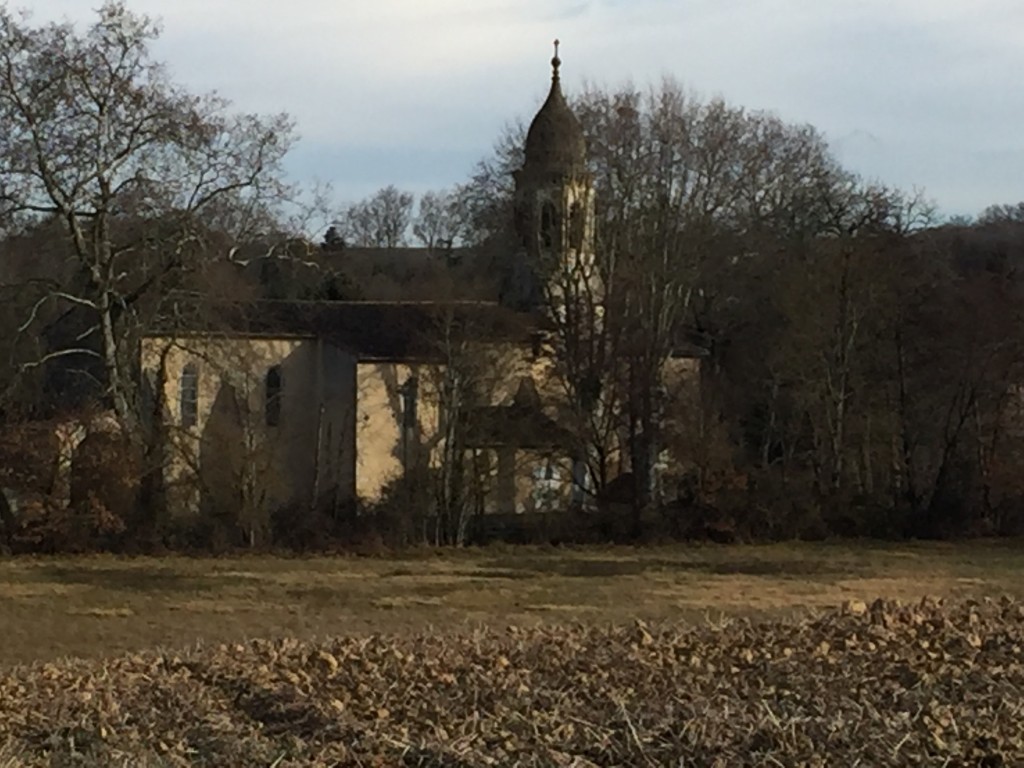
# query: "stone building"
283, 403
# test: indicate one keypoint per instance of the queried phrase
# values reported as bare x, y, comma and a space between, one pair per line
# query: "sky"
911, 93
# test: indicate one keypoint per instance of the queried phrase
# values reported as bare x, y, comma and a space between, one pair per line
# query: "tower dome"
554, 207
555, 140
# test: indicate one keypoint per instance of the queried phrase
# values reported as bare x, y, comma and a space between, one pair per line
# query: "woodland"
862, 359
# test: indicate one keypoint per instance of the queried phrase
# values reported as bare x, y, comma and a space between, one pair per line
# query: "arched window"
409, 442
580, 481
272, 404
188, 396
548, 225
576, 226
410, 396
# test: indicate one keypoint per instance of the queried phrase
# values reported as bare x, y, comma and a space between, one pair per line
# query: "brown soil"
885, 684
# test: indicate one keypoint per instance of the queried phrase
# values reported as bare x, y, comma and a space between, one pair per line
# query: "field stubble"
711, 656
889, 684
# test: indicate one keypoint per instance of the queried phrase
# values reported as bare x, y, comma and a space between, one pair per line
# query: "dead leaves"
878, 684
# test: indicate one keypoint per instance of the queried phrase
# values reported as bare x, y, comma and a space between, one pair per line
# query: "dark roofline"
379, 302
227, 334
381, 331
370, 330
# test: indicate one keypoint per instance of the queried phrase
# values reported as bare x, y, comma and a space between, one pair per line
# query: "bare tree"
439, 221
133, 167
485, 200
1001, 214
690, 193
467, 372
380, 221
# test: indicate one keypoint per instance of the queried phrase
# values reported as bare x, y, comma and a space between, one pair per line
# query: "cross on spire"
555, 63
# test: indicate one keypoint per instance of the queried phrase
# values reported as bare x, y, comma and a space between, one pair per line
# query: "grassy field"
99, 606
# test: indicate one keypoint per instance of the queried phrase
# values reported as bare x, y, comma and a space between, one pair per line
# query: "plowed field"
885, 684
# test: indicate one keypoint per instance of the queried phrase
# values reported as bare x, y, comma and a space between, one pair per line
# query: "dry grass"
890, 684
99, 606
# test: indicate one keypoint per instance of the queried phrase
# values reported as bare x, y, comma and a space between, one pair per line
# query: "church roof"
370, 330
555, 139
359, 273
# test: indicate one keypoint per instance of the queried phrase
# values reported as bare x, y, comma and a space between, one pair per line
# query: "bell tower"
554, 206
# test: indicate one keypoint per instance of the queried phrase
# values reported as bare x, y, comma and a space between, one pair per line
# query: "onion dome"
555, 140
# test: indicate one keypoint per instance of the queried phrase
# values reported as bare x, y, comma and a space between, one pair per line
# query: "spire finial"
555, 63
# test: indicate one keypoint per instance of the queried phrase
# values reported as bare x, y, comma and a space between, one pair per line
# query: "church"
288, 403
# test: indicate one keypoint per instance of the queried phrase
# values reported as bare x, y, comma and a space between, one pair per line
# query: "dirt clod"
926, 683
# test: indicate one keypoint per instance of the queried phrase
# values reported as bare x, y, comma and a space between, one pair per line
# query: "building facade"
299, 404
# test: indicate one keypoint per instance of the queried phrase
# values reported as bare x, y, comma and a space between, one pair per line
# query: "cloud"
393, 78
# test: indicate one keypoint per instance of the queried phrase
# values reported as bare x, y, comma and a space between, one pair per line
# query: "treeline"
864, 359
872, 387
861, 359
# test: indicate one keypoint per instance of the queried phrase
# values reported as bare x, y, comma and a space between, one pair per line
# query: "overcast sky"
413, 92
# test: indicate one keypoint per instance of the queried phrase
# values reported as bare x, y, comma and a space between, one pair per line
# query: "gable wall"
231, 457
379, 444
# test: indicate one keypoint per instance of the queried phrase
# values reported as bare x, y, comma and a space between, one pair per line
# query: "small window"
189, 396
580, 477
274, 385
410, 394
548, 225
536, 345
576, 226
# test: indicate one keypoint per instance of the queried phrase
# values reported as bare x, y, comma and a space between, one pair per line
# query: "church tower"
554, 206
